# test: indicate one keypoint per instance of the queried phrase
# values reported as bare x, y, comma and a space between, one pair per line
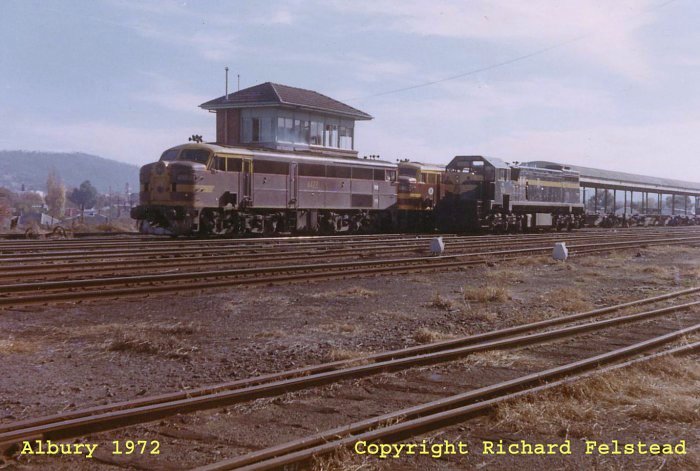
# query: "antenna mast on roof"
239, 82
226, 69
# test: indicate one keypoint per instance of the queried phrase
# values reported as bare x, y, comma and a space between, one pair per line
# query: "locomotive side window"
234, 165
337, 171
219, 163
391, 175
269, 166
312, 170
379, 174
359, 173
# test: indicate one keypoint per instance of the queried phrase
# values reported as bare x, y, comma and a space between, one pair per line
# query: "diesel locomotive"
481, 192
214, 189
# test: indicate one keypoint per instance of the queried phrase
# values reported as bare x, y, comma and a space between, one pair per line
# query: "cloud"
169, 94
607, 29
662, 149
210, 44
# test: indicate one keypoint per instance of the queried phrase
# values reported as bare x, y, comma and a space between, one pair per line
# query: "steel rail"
161, 248
447, 411
212, 260
122, 417
403, 244
296, 277
151, 240
344, 266
329, 366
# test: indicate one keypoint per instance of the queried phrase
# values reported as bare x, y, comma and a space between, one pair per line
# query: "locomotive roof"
493, 161
275, 94
630, 179
285, 155
424, 166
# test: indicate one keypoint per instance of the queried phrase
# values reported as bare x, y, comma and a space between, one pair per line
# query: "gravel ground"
58, 358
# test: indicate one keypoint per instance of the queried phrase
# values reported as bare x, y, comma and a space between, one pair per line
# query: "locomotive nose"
160, 168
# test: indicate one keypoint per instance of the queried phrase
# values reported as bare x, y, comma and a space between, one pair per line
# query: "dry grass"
16, 346
487, 294
344, 459
498, 358
477, 314
352, 292
144, 338
569, 300
443, 303
663, 390
664, 273
426, 335
269, 334
106, 330
338, 327
504, 275
338, 354
533, 260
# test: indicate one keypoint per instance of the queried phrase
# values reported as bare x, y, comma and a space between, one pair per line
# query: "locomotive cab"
418, 192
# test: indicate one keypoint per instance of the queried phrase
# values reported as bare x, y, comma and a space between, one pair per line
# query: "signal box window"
256, 130
316, 133
345, 137
285, 129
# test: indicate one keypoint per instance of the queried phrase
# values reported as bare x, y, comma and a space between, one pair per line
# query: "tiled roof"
274, 94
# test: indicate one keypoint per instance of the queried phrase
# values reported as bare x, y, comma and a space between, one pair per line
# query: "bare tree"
55, 195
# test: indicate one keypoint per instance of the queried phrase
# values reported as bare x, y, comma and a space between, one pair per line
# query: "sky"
612, 85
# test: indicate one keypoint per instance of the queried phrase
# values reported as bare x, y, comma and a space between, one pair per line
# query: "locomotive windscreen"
195, 155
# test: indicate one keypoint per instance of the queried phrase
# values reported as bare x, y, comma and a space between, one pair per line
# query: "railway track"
76, 251
41, 292
444, 412
20, 270
80, 422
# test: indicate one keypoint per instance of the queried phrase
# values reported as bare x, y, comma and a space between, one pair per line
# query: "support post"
595, 201
673, 204
605, 201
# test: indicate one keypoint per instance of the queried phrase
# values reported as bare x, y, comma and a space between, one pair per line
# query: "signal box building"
279, 117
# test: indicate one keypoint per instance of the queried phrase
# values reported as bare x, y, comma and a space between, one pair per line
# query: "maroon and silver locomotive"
215, 189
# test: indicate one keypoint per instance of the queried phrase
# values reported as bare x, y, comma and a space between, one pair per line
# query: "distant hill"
19, 167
